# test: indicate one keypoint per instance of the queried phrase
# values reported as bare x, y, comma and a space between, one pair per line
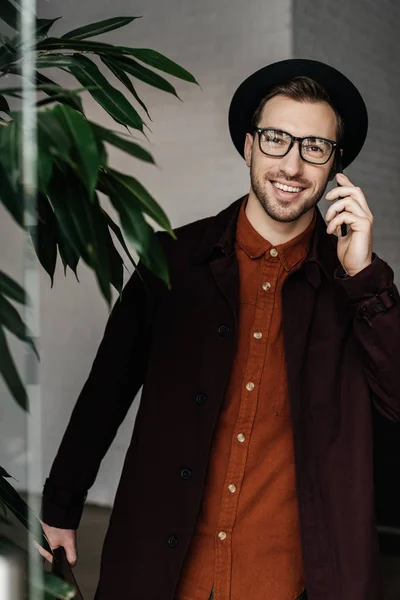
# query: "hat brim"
343, 94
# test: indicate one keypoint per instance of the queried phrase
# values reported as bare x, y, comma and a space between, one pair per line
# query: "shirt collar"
254, 245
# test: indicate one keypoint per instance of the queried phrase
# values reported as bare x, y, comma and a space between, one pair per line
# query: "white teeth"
286, 188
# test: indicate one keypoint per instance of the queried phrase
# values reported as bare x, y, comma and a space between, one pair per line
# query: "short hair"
301, 89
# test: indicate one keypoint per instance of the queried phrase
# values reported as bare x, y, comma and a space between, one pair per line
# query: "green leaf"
10, 318
45, 88
70, 99
74, 45
125, 145
12, 289
10, 14
69, 212
52, 137
116, 265
4, 520
12, 201
112, 100
54, 587
44, 236
17, 505
10, 152
69, 257
137, 70
114, 227
82, 224
98, 28
159, 61
137, 230
10, 374
4, 106
4, 473
44, 170
123, 77
148, 204
84, 145
51, 61
53, 90
100, 252
43, 26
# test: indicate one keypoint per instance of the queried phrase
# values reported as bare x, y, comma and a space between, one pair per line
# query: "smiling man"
250, 471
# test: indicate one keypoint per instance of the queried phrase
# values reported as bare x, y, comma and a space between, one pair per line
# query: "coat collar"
219, 239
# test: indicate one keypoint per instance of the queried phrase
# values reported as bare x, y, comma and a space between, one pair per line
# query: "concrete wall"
221, 42
360, 38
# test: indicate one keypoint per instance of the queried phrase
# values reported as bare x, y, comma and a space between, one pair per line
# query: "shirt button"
241, 437
222, 535
232, 488
186, 473
223, 330
257, 335
273, 252
172, 541
250, 386
201, 399
266, 286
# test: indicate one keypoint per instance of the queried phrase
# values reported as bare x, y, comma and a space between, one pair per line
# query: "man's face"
300, 119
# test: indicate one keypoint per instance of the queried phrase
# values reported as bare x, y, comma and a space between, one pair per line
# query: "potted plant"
64, 216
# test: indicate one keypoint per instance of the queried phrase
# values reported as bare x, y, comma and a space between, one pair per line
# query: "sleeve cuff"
369, 282
60, 507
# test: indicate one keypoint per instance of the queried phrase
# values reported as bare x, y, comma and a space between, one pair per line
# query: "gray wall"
221, 42
361, 38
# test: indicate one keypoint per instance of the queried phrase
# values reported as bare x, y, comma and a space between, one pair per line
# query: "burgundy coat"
341, 342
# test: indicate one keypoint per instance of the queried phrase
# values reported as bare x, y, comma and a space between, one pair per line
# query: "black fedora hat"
344, 96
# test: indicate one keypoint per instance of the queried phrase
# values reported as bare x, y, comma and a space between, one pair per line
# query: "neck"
274, 231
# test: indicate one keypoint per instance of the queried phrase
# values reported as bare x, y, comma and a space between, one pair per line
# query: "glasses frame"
294, 139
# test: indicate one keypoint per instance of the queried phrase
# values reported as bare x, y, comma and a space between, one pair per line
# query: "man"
249, 474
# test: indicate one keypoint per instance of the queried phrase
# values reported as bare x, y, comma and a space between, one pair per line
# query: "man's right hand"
60, 537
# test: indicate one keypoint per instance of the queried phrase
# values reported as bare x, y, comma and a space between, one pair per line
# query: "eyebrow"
309, 135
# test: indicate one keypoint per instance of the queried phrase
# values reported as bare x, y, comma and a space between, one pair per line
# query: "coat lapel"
299, 295
225, 271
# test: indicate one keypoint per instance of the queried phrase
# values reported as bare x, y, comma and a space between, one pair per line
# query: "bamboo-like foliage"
72, 168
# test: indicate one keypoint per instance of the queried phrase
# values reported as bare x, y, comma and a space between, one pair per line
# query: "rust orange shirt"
246, 542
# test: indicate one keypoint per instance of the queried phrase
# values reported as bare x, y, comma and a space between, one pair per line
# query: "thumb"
71, 553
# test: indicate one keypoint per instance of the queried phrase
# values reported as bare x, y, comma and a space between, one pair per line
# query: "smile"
286, 188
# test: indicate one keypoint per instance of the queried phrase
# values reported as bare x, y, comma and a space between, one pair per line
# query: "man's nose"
292, 163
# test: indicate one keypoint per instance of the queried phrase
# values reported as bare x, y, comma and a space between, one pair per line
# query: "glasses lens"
316, 150
274, 142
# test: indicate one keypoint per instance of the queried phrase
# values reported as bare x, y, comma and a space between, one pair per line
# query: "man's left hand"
355, 249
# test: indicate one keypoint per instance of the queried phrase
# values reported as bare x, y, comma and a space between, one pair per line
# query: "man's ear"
248, 148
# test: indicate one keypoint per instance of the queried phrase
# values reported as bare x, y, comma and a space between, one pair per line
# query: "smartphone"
339, 169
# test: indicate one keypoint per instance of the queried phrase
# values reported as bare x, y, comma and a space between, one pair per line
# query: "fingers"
348, 189
44, 552
348, 204
70, 551
64, 538
357, 223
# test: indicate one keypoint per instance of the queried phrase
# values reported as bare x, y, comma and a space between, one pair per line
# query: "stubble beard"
278, 210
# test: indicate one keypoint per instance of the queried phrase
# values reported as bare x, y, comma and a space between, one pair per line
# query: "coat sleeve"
376, 304
116, 376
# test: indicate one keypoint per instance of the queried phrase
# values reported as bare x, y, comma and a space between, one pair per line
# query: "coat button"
223, 330
201, 399
172, 541
186, 473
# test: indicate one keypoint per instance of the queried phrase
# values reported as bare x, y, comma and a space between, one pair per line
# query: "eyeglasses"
314, 150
